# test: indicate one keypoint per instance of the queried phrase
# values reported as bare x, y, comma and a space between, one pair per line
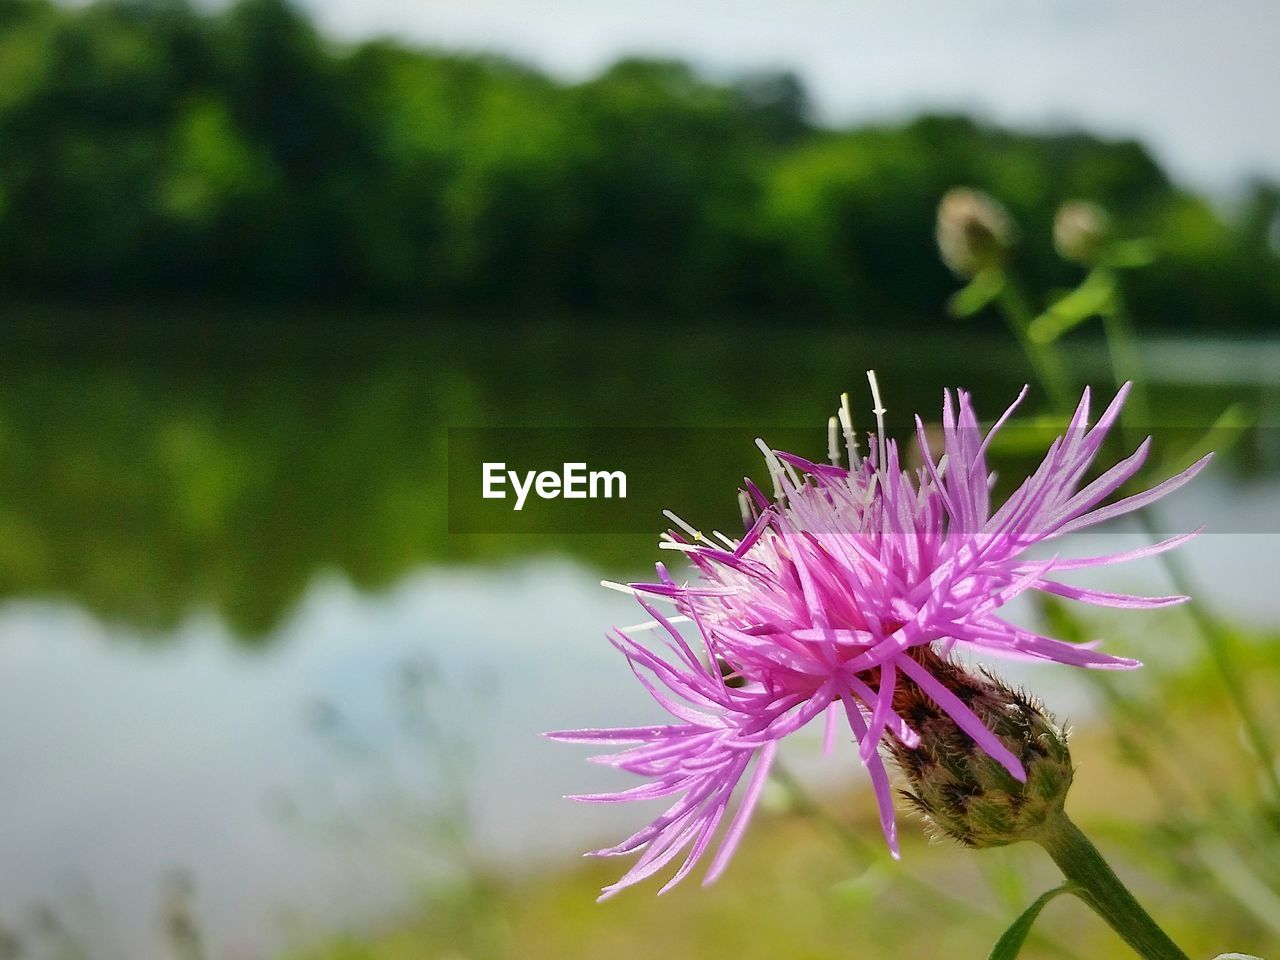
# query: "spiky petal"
840, 583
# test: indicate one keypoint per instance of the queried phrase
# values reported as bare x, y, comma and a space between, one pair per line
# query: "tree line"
153, 152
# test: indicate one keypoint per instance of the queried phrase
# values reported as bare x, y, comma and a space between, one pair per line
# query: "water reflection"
298, 787
305, 750
151, 472
133, 761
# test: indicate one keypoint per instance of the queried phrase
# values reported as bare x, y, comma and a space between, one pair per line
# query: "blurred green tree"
150, 151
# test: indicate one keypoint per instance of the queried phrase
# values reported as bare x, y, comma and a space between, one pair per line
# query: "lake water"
297, 783
246, 672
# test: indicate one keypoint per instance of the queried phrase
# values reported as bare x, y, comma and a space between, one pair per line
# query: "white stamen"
623, 588
775, 469
744, 505
846, 425
833, 441
791, 473
682, 547
879, 410
727, 541
687, 528
653, 624
870, 493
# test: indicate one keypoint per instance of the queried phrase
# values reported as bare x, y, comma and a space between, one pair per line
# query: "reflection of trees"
158, 475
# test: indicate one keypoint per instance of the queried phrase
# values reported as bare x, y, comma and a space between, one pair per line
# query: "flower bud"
963, 791
1081, 231
974, 231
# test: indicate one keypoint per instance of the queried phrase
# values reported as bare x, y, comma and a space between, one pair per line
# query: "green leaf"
979, 292
1024, 436
1223, 434
1093, 297
1131, 254
1004, 878
863, 888
1010, 943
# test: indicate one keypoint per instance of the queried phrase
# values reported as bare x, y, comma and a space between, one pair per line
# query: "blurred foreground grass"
1192, 834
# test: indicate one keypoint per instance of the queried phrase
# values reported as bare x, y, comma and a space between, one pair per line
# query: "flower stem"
1122, 342
1126, 356
1099, 887
1226, 659
1044, 357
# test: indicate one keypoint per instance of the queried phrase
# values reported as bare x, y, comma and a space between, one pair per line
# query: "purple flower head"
821, 609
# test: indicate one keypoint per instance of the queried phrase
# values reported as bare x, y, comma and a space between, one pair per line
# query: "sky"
1197, 81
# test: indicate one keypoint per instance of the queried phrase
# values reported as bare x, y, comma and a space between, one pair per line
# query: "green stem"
1099, 887
1126, 364
1126, 361
1045, 358
1222, 649
1122, 342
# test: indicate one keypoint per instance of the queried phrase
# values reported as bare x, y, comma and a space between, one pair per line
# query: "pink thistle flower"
823, 606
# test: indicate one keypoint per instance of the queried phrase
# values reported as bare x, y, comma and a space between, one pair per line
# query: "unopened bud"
1081, 231
963, 791
974, 231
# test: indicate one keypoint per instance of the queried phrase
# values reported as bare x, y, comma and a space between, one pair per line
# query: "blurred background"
256, 700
